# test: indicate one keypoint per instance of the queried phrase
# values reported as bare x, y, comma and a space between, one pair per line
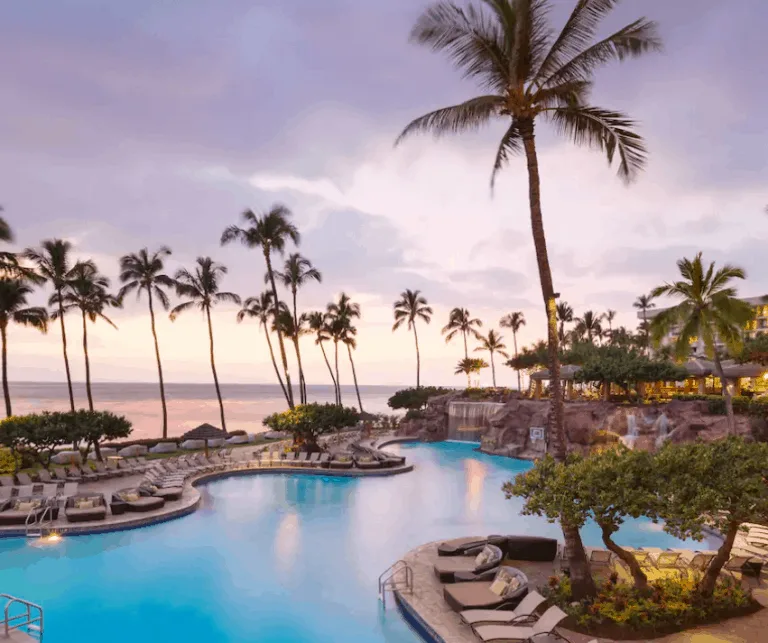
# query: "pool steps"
24, 627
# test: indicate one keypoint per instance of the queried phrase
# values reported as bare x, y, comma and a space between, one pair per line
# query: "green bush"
9, 462
414, 414
741, 405
309, 421
415, 398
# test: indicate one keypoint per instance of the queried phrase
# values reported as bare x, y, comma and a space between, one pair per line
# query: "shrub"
9, 461
754, 407
415, 398
309, 421
414, 414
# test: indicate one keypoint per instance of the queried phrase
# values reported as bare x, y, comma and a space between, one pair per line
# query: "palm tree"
609, 316
460, 321
318, 324
144, 272
514, 321
470, 365
493, 343
589, 325
263, 309
293, 329
564, 314
341, 314
270, 232
527, 72
298, 271
13, 308
644, 303
201, 289
6, 234
410, 307
709, 311
86, 290
52, 263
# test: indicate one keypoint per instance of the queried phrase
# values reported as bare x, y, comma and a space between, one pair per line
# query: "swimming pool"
275, 558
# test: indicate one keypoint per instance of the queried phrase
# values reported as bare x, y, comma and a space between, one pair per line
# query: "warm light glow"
765, 376
474, 472
50, 539
287, 540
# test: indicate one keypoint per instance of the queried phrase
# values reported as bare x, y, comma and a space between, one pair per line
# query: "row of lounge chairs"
682, 559
76, 473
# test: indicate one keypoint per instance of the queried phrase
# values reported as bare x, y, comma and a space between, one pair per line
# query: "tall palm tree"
263, 309
298, 271
564, 314
470, 365
53, 262
293, 329
6, 234
13, 308
318, 324
271, 232
341, 314
514, 321
644, 303
589, 324
143, 271
709, 311
609, 315
461, 322
410, 307
87, 291
493, 343
528, 73
202, 290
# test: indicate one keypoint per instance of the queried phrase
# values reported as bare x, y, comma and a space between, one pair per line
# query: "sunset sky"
141, 123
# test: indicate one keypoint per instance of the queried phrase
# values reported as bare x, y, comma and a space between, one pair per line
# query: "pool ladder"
38, 526
390, 582
25, 626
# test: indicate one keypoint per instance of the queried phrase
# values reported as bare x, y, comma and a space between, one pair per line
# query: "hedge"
741, 405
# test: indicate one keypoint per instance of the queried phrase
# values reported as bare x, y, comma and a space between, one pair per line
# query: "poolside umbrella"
204, 432
697, 367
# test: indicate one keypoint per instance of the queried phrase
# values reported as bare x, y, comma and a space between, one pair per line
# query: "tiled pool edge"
412, 617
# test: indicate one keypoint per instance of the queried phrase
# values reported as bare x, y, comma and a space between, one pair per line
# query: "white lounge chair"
662, 558
524, 610
736, 562
545, 625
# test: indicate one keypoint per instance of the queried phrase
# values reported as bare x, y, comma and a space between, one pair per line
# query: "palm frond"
531, 37
183, 307
228, 297
511, 143
470, 115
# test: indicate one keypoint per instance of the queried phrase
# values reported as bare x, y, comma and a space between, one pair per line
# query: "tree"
41, 434
53, 264
341, 314
470, 365
717, 484
262, 309
93, 427
5, 230
9, 264
564, 315
609, 316
461, 322
415, 398
644, 303
271, 232
308, 422
709, 311
755, 350
530, 357
86, 290
144, 272
506, 46
589, 325
291, 328
202, 290
14, 309
318, 324
297, 272
410, 307
514, 321
493, 344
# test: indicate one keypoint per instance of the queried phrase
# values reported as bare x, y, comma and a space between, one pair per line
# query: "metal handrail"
387, 579
32, 622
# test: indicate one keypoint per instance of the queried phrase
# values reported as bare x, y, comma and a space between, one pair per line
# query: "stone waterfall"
468, 421
632, 431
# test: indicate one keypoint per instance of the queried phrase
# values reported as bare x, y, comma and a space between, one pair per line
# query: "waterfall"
632, 432
661, 425
468, 421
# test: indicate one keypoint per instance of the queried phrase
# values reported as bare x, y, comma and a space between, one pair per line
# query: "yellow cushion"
512, 586
84, 504
130, 496
498, 587
27, 506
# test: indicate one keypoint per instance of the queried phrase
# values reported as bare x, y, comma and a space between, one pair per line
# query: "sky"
142, 123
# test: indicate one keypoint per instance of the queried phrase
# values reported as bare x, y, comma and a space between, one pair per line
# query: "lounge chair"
325, 460
85, 506
112, 466
15, 511
522, 612
448, 569
478, 595
736, 562
133, 500
76, 474
544, 625
27, 491
341, 461
642, 556
70, 489
101, 471
460, 546
663, 558
60, 475
290, 458
301, 460
44, 476
7, 481
5, 493
24, 479
314, 459
598, 557
367, 461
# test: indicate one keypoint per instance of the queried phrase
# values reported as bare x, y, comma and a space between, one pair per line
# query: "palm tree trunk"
514, 340
66, 357
215, 377
159, 365
283, 357
466, 354
87, 364
418, 357
302, 382
338, 380
354, 377
647, 332
328, 364
581, 579
493, 370
274, 362
6, 390
726, 394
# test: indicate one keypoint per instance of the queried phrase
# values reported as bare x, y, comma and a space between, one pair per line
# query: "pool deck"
440, 624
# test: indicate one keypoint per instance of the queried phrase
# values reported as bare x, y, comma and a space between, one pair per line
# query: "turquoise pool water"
290, 559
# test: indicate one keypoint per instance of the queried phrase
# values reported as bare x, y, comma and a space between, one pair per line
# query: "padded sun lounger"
24, 479
314, 459
478, 595
523, 611
301, 460
460, 546
544, 625
7, 481
44, 476
325, 459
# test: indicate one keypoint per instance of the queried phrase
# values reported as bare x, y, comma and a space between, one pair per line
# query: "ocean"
245, 405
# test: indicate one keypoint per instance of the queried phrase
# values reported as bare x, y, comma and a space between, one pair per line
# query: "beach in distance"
189, 405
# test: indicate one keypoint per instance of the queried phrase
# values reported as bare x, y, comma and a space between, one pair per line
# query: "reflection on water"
287, 540
474, 474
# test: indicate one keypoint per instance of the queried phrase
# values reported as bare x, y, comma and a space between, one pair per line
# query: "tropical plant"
506, 46
644, 303
609, 315
270, 231
52, 263
709, 311
87, 291
470, 365
318, 324
297, 272
308, 422
14, 309
201, 288
589, 325
415, 398
493, 343
411, 306
291, 328
9, 264
514, 321
564, 314
143, 271
755, 350
340, 315
262, 309
5, 230
460, 322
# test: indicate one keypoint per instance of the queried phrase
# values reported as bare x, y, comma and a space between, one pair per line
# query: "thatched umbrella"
204, 432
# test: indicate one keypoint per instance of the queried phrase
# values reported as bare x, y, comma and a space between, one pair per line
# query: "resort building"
758, 325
